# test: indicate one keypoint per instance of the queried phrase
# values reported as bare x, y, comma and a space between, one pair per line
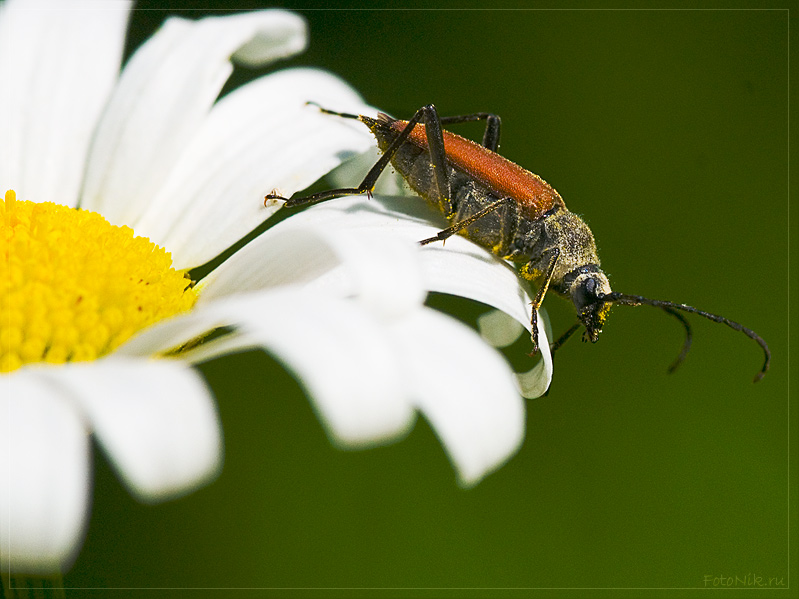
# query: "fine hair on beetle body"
508, 210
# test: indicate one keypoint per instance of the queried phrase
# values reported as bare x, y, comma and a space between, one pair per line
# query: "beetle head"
586, 294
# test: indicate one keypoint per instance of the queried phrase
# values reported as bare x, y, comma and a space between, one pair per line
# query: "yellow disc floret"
73, 287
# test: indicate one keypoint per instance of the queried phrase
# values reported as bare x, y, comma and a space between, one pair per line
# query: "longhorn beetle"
508, 210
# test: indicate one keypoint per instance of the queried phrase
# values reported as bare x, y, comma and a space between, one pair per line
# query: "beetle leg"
450, 231
527, 272
493, 123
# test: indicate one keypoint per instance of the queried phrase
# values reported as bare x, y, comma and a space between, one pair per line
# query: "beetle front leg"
530, 272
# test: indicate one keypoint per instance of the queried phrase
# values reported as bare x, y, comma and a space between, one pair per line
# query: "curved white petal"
260, 138
45, 476
467, 271
498, 328
164, 94
535, 382
464, 388
59, 61
156, 421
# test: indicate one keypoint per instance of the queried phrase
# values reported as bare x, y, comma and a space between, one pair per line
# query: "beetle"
508, 210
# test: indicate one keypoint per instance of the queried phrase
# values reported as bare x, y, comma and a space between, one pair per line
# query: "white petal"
155, 419
45, 476
58, 63
339, 352
464, 388
260, 138
379, 268
164, 93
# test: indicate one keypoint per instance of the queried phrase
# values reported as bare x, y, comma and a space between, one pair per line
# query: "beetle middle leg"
445, 234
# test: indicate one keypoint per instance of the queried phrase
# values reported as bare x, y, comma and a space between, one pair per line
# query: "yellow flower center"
73, 287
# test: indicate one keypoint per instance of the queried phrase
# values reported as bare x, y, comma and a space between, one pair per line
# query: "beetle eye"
590, 287
585, 293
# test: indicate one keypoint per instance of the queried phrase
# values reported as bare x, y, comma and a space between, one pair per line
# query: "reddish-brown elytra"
508, 210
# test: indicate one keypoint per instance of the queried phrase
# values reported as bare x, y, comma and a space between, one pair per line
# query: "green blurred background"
668, 132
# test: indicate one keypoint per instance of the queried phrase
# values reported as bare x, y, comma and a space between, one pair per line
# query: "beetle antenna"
345, 115
688, 338
674, 309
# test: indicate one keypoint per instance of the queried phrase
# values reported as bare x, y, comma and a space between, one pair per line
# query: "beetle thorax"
572, 237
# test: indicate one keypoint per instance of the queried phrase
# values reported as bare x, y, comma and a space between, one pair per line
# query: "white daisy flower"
100, 326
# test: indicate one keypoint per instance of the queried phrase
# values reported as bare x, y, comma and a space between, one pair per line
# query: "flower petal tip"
283, 34
535, 382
